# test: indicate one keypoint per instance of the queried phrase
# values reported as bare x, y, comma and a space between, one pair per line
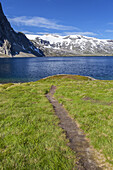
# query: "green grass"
91, 104
30, 137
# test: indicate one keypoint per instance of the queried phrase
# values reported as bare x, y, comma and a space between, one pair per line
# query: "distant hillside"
56, 45
12, 43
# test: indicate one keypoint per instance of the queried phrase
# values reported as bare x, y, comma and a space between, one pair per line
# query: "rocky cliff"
13, 43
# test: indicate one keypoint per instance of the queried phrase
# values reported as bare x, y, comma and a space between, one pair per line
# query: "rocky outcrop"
13, 43
49, 50
6, 48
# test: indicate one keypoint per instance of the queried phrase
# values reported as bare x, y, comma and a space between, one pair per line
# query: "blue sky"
85, 17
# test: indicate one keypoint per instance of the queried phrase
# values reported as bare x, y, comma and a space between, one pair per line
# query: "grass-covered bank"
30, 137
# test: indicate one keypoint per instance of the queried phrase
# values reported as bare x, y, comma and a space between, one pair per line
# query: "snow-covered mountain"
56, 45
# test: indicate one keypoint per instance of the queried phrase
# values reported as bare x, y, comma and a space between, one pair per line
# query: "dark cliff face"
12, 43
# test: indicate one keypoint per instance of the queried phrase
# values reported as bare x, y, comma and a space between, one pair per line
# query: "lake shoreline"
33, 56
57, 75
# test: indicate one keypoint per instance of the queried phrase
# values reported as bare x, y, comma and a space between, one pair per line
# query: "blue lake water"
32, 69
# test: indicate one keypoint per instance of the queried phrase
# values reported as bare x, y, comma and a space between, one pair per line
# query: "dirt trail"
78, 143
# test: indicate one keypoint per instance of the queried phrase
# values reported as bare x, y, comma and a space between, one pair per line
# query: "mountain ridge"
57, 45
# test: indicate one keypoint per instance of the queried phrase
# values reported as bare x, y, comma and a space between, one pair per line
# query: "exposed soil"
77, 140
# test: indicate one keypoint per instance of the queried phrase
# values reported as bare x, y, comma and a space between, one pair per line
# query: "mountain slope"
56, 45
12, 43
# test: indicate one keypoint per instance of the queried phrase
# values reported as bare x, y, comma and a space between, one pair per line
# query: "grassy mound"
29, 133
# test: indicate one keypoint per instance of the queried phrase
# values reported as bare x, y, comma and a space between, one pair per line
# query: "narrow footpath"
77, 141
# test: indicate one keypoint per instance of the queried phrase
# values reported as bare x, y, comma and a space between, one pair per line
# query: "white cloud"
110, 23
67, 33
81, 33
42, 33
27, 32
109, 31
55, 33
40, 22
62, 33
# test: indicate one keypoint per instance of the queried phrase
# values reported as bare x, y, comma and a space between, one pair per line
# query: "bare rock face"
6, 48
13, 43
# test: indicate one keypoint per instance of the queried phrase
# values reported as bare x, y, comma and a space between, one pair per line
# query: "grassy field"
30, 137
91, 104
